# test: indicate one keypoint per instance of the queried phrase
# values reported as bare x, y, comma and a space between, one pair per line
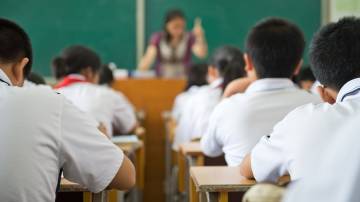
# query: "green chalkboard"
228, 21
107, 26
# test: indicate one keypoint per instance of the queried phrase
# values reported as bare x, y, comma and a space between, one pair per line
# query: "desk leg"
168, 162
99, 197
181, 174
200, 160
140, 162
87, 197
112, 196
217, 197
194, 197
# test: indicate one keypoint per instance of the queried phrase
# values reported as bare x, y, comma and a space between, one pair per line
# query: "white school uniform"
107, 106
196, 113
307, 128
336, 176
181, 100
239, 122
41, 132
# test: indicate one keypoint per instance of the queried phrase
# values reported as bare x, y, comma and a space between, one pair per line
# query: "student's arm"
122, 179
237, 86
88, 157
245, 167
124, 120
199, 47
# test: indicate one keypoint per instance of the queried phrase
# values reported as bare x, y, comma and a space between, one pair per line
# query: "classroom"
179, 101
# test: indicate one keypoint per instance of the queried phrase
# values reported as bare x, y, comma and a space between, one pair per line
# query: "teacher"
172, 48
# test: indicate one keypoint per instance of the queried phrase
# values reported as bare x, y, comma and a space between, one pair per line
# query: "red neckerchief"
69, 80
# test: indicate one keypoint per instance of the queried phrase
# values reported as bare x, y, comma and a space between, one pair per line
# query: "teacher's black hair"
171, 15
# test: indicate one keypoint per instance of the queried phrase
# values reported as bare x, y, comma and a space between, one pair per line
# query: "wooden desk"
68, 186
189, 155
213, 183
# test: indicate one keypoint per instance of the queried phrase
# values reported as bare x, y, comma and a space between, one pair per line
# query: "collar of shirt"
349, 91
69, 80
271, 84
217, 83
77, 77
4, 78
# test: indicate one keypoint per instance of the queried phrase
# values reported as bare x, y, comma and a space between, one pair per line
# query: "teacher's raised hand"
200, 46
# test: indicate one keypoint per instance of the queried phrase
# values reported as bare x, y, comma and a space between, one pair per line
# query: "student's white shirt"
41, 132
181, 100
196, 112
106, 105
239, 122
336, 175
303, 134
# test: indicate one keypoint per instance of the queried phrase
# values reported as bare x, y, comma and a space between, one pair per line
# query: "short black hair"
14, 44
335, 53
276, 47
106, 76
197, 75
76, 58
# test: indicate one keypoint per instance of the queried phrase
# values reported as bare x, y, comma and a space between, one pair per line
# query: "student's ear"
298, 67
326, 94
249, 66
18, 72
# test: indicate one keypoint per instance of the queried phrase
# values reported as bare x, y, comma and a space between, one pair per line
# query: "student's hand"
198, 31
237, 86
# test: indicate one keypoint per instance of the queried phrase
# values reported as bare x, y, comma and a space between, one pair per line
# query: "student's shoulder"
36, 96
304, 112
234, 104
39, 91
111, 93
303, 94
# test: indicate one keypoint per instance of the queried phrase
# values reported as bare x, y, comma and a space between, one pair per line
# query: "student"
227, 61
41, 132
304, 133
336, 177
108, 107
274, 48
196, 77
